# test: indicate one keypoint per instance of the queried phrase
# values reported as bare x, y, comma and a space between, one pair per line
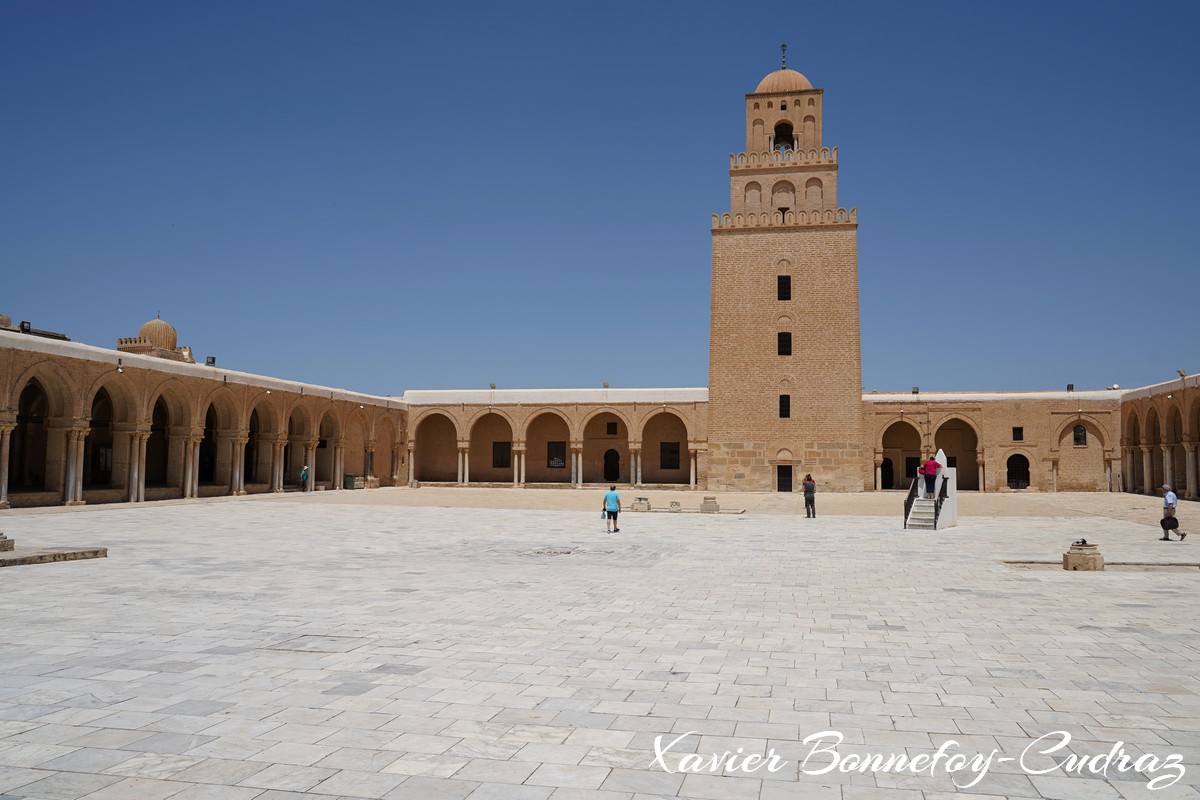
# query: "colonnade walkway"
375, 645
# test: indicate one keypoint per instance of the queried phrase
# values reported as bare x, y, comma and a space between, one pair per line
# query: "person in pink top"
929, 469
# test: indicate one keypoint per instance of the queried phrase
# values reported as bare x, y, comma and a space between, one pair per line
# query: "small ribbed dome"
161, 334
783, 80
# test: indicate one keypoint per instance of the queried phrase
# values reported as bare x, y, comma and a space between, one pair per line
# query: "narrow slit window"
785, 343
784, 287
785, 406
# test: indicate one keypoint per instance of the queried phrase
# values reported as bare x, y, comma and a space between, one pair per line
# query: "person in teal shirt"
612, 504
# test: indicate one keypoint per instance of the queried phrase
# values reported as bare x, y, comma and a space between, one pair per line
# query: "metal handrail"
942, 495
908, 501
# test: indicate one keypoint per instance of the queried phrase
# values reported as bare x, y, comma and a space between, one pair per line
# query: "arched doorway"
1177, 455
547, 449
253, 447
98, 447
28, 442
208, 449
490, 454
327, 442
665, 456
886, 477
958, 440
386, 466
902, 445
355, 448
1018, 471
294, 450
603, 432
612, 466
157, 446
436, 450
1154, 441
1135, 480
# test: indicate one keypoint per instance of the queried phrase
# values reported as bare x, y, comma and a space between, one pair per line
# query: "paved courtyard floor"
381, 645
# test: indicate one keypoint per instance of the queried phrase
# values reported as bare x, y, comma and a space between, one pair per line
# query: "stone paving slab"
294, 647
22, 556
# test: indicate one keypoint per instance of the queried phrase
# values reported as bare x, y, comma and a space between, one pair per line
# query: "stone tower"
785, 373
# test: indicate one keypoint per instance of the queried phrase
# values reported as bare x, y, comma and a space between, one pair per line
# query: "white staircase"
921, 515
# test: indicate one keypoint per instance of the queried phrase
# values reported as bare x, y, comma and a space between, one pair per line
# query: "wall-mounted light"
605, 384
916, 390
120, 367
1070, 387
268, 391
1181, 373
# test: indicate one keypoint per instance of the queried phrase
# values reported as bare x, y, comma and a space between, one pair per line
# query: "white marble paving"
266, 649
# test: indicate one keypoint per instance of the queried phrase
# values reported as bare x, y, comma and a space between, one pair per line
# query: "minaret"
785, 369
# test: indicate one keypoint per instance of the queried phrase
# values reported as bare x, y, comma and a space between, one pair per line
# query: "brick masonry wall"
746, 435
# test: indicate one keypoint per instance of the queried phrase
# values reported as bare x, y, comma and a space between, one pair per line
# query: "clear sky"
390, 195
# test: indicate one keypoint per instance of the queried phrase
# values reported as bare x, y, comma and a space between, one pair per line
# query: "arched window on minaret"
810, 131
784, 138
758, 139
814, 193
783, 197
753, 197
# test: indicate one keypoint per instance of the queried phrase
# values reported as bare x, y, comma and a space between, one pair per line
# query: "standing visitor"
612, 504
304, 478
930, 470
810, 497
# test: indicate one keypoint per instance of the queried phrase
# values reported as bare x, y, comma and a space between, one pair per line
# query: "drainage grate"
551, 551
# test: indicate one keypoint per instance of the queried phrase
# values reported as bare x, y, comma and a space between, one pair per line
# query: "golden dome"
783, 80
160, 334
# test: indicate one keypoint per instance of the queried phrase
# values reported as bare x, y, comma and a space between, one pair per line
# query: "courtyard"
490, 643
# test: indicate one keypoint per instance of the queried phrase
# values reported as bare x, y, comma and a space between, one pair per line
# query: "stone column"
134, 473
516, 467
1169, 465
68, 489
235, 463
878, 474
5, 445
241, 463
1054, 475
1130, 472
143, 437
635, 467
522, 467
196, 440
412, 465
370, 457
187, 467
574, 469
81, 439
339, 471
1108, 473
1191, 453
459, 456
466, 466
1147, 472
693, 457
310, 460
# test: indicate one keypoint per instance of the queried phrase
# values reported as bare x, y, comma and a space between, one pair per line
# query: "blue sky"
389, 196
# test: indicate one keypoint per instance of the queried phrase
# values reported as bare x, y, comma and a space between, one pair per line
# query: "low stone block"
640, 504
709, 506
1083, 558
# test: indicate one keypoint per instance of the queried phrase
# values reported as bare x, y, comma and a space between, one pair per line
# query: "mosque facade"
84, 424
